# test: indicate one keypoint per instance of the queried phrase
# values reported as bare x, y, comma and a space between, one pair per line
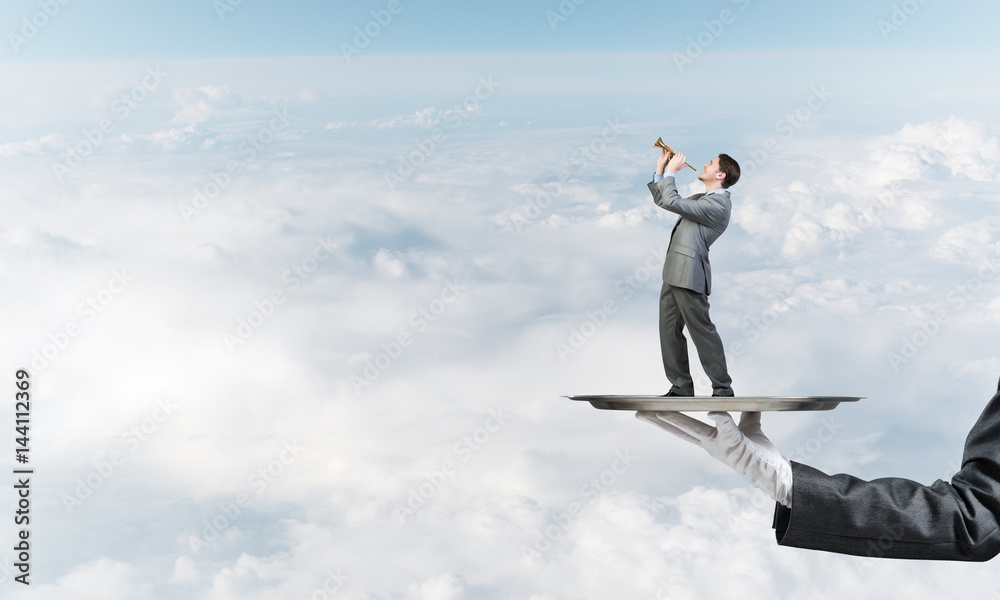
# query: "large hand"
745, 448
676, 162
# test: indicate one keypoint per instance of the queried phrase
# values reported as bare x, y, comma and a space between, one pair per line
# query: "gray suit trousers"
679, 307
899, 518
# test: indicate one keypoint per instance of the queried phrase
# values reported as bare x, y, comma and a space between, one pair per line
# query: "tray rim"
713, 403
651, 397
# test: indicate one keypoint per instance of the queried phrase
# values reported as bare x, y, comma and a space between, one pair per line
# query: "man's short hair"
729, 166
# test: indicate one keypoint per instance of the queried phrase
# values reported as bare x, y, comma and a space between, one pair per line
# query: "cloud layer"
290, 378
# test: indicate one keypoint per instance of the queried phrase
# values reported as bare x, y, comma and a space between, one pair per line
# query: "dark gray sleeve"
899, 518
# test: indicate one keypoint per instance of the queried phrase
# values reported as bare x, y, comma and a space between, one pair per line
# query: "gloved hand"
745, 448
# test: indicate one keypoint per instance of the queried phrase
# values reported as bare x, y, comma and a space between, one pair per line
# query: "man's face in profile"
711, 171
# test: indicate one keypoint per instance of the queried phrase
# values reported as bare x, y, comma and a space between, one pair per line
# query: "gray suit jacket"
899, 518
702, 220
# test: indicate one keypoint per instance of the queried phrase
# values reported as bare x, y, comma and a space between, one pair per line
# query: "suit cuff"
658, 178
782, 515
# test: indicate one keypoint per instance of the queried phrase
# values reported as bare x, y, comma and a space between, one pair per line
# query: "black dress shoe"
672, 394
723, 395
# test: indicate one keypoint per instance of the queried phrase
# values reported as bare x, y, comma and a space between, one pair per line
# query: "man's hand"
745, 449
661, 163
676, 163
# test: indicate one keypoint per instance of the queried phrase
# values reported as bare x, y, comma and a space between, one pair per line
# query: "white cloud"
203, 103
443, 587
965, 148
425, 118
102, 578
896, 188
309, 96
970, 241
175, 138
47, 144
388, 265
186, 571
803, 238
815, 296
340, 125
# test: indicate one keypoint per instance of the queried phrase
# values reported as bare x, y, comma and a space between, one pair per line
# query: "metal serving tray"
710, 403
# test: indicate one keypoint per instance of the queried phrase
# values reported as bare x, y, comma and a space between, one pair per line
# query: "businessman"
884, 518
687, 274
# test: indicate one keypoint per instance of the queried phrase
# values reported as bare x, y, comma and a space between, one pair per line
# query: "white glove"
745, 448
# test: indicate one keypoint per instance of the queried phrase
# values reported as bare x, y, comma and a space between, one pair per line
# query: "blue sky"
458, 200
193, 28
